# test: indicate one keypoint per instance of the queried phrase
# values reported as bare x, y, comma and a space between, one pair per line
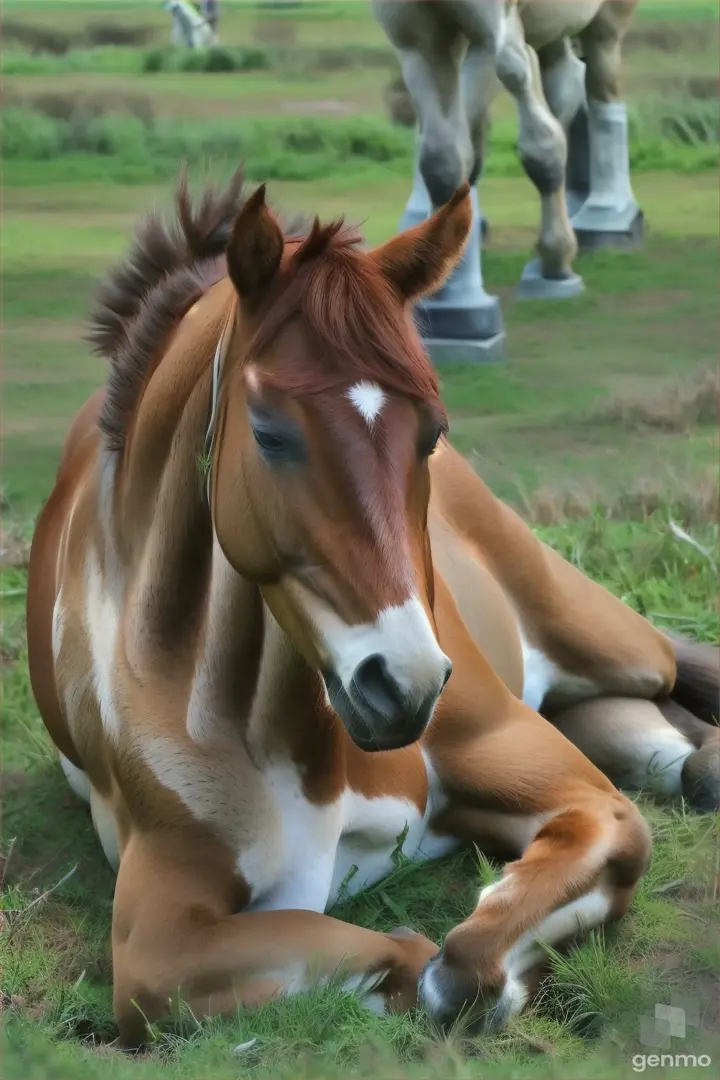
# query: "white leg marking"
611, 200
363, 986
630, 741
368, 399
662, 770
302, 977
650, 757
541, 675
579, 916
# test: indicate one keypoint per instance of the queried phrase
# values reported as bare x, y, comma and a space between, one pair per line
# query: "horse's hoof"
534, 285
701, 778
452, 995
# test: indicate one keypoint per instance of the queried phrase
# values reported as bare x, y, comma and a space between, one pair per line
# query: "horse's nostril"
376, 686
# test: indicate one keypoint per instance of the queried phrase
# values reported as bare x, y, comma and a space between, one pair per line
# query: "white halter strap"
216, 373
218, 358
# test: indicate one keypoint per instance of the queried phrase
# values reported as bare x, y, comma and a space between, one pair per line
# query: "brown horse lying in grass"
252, 575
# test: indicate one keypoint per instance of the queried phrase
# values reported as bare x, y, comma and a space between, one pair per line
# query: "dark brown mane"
169, 266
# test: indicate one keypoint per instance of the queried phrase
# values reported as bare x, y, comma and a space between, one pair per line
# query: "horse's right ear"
254, 250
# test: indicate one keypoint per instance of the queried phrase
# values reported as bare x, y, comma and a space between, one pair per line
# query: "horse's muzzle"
377, 712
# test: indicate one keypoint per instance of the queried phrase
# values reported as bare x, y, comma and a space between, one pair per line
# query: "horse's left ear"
254, 250
418, 260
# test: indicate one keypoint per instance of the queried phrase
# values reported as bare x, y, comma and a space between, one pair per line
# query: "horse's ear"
254, 250
418, 260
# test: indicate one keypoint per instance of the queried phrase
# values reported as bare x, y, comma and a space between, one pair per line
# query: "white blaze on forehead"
368, 399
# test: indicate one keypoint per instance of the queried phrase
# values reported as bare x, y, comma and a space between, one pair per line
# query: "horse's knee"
630, 854
442, 168
546, 172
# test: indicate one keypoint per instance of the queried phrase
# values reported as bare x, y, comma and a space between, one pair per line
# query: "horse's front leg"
610, 215
583, 847
176, 938
543, 152
563, 83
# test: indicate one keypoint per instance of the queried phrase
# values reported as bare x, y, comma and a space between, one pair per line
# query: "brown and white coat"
220, 639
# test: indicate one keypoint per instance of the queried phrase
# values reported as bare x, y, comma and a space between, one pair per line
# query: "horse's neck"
249, 677
161, 523
191, 616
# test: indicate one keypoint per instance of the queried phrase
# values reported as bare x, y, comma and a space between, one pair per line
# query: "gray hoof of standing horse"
598, 227
533, 286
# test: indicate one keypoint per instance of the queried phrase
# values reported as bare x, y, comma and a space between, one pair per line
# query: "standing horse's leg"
543, 151
563, 82
478, 81
176, 938
460, 321
432, 76
610, 215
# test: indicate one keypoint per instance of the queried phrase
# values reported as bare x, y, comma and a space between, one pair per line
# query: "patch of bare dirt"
47, 330
558, 504
324, 107
10, 1001
674, 405
11, 782
14, 551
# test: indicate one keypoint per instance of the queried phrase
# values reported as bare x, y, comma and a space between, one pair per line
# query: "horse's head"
327, 414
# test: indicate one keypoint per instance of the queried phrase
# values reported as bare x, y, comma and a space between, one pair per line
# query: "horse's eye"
430, 440
269, 443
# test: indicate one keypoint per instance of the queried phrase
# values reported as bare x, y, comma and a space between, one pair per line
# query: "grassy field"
601, 427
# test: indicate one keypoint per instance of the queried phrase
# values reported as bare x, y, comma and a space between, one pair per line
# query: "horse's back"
537, 618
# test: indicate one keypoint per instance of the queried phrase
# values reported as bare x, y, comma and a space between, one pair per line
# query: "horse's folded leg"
173, 944
578, 873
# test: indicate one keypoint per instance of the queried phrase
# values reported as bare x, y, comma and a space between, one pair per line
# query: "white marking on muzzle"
401, 635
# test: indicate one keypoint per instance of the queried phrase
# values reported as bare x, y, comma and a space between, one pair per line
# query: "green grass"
600, 427
646, 321
320, 109
56, 957
130, 149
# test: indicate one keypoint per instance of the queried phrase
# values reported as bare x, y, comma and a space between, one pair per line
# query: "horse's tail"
697, 685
